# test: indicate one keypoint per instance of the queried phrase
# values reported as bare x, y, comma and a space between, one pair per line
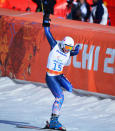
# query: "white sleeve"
92, 12
104, 17
91, 19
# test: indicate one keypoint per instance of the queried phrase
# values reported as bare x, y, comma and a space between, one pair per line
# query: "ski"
46, 128
29, 127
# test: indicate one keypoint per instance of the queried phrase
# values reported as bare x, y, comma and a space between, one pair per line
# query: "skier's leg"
65, 83
56, 90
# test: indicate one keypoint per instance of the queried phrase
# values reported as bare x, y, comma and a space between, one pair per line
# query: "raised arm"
46, 24
50, 38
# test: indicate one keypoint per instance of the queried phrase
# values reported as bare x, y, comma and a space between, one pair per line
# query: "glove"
77, 48
46, 11
46, 20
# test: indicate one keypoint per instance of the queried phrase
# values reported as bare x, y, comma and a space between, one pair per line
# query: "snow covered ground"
30, 103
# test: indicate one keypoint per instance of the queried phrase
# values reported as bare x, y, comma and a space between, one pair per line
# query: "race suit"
54, 76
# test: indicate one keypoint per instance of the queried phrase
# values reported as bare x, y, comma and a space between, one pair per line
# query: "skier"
58, 57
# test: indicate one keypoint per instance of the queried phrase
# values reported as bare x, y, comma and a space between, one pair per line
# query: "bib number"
57, 67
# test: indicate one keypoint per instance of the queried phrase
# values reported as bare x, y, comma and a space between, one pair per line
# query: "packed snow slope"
31, 103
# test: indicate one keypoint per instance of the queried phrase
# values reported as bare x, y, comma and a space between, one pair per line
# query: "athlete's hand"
46, 13
46, 20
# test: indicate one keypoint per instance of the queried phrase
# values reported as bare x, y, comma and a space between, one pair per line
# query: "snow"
32, 103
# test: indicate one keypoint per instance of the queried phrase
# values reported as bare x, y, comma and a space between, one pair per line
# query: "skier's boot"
55, 124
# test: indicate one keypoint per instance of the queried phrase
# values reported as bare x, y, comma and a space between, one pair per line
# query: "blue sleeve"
50, 38
74, 52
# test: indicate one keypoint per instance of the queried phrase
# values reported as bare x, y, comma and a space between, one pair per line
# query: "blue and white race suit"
54, 77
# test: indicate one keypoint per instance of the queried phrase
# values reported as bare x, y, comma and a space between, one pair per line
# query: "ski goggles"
68, 47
